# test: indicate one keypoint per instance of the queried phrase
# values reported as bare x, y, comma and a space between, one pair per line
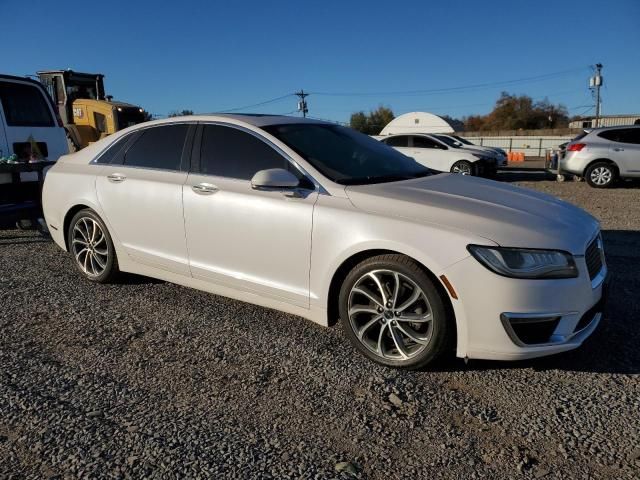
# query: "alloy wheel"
89, 246
390, 315
601, 176
462, 168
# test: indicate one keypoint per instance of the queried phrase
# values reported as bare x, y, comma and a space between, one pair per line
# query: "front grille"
593, 257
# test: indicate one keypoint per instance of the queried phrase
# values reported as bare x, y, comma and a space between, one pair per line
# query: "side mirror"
274, 178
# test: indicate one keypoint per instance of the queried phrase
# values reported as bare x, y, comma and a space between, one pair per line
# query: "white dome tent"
417, 122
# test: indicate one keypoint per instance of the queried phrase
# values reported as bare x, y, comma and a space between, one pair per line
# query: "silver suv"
604, 155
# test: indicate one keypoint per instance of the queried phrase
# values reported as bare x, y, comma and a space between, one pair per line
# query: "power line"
277, 99
535, 78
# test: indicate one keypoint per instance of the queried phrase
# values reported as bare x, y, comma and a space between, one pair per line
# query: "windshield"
346, 156
463, 140
449, 141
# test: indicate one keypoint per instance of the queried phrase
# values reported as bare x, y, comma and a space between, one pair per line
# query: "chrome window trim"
134, 132
318, 187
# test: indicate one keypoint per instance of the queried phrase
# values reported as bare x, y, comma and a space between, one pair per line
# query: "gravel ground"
145, 378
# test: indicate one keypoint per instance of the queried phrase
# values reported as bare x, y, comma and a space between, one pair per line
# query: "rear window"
158, 147
401, 141
623, 135
579, 136
24, 105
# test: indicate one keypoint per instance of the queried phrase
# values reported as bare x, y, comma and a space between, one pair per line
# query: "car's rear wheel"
92, 248
462, 167
392, 312
601, 175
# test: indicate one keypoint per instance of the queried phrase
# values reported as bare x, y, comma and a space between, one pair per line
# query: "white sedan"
437, 155
326, 223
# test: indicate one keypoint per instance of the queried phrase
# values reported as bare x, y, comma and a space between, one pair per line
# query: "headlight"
525, 263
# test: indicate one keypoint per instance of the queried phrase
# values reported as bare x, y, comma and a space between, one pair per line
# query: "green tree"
180, 113
456, 124
514, 112
373, 122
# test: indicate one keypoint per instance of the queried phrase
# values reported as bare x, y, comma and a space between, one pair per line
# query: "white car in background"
434, 153
499, 154
411, 262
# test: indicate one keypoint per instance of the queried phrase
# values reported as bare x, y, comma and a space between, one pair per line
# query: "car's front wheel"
392, 312
462, 167
92, 248
601, 175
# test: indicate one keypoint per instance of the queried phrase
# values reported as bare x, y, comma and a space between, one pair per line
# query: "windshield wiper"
383, 178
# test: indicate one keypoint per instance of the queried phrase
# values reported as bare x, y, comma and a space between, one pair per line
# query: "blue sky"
212, 56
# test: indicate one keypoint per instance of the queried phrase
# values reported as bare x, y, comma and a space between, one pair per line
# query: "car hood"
507, 215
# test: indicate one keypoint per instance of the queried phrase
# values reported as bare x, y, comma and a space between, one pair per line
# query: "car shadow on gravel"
612, 348
523, 175
126, 278
22, 238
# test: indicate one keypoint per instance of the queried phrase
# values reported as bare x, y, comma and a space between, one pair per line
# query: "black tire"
491, 172
94, 265
437, 333
601, 175
463, 167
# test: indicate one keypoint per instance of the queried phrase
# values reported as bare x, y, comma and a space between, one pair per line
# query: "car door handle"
204, 188
116, 178
618, 149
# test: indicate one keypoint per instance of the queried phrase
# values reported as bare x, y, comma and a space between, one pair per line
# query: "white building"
606, 121
417, 122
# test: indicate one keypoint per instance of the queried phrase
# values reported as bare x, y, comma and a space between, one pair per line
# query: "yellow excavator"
86, 112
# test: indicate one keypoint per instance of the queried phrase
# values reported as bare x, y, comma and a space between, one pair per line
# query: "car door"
257, 241
430, 153
625, 149
140, 192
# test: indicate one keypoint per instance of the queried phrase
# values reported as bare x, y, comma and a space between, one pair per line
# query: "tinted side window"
631, 135
614, 135
229, 152
158, 147
113, 150
401, 141
424, 142
25, 105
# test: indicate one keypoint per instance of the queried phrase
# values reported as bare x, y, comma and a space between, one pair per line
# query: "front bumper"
496, 315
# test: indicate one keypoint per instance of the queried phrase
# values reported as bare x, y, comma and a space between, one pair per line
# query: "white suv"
437, 155
28, 118
604, 155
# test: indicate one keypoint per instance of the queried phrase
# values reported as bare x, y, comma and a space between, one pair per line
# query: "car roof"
21, 79
255, 119
603, 129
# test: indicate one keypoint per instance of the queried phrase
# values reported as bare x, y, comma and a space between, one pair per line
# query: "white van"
27, 115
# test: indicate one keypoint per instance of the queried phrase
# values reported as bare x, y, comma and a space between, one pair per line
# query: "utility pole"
595, 83
302, 104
